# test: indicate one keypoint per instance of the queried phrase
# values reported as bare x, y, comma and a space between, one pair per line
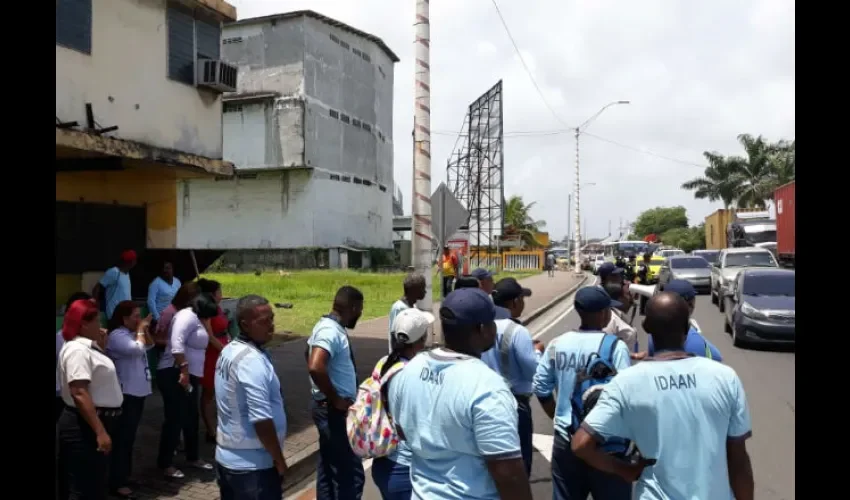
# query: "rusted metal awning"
92, 144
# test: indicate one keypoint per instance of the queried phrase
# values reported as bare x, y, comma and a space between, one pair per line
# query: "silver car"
694, 270
729, 263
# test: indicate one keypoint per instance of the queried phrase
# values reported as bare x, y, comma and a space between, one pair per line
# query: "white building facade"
309, 131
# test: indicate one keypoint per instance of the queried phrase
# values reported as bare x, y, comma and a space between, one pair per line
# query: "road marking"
561, 317
544, 443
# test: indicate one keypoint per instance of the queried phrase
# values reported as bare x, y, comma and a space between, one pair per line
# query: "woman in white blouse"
92, 397
128, 345
59, 405
178, 377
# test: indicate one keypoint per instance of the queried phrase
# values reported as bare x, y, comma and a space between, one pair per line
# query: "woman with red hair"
59, 406
92, 396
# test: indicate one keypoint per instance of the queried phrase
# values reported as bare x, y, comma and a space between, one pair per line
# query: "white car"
598, 261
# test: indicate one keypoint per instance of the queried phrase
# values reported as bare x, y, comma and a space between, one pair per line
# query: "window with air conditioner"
192, 39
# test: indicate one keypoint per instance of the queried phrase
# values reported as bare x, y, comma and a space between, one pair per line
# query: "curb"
302, 464
552, 303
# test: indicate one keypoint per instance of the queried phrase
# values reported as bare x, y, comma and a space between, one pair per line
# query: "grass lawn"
311, 292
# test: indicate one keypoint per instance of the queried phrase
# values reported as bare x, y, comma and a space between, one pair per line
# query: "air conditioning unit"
216, 75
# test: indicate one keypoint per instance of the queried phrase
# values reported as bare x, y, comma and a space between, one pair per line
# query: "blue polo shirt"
116, 287
695, 344
332, 337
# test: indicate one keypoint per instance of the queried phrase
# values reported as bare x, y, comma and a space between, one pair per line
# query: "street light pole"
577, 132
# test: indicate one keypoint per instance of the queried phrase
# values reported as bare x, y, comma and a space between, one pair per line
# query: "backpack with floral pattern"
370, 428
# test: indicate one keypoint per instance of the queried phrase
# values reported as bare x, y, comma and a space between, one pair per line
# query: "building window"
235, 39
358, 180
230, 107
346, 178
189, 39
344, 118
381, 71
334, 39
356, 52
367, 127
334, 177
334, 113
73, 24
355, 122
344, 45
365, 57
382, 188
367, 182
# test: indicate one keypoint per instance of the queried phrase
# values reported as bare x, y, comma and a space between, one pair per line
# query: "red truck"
786, 218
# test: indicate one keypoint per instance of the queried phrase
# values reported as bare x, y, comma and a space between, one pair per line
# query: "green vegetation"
518, 221
670, 224
311, 292
746, 181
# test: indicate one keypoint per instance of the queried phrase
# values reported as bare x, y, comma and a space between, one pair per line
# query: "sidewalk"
369, 341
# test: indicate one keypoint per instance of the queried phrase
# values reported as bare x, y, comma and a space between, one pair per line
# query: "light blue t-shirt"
402, 454
456, 414
331, 336
523, 357
116, 287
557, 369
679, 412
247, 391
396, 308
160, 294
695, 344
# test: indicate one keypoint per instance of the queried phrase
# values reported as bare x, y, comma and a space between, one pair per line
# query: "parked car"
761, 307
598, 261
709, 255
694, 270
669, 252
729, 263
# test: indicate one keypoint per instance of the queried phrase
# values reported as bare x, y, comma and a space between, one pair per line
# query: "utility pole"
422, 235
569, 223
577, 236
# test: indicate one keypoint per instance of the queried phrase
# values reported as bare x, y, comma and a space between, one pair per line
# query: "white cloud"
697, 74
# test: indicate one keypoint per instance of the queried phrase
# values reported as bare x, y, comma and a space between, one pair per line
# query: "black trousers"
122, 443
83, 471
447, 285
181, 414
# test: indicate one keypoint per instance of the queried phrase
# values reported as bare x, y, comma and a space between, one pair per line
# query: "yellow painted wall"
153, 186
542, 238
66, 284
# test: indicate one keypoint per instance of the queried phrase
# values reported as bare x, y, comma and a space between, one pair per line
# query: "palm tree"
717, 182
518, 220
784, 159
755, 174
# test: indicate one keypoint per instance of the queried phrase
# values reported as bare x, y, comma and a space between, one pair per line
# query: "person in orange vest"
449, 265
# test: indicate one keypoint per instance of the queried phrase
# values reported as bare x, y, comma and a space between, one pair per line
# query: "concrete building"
138, 111
310, 133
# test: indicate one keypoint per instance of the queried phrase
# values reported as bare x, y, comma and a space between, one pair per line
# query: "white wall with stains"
293, 208
125, 79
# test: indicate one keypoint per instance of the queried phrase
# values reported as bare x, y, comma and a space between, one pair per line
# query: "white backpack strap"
505, 350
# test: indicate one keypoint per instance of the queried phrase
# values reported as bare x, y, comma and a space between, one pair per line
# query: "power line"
525, 66
644, 151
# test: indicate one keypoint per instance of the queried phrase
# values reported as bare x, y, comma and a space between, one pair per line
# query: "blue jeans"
392, 479
339, 475
264, 484
526, 431
573, 479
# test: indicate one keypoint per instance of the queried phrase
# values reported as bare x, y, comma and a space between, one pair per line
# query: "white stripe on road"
561, 317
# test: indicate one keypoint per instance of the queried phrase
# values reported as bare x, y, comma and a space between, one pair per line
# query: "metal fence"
508, 261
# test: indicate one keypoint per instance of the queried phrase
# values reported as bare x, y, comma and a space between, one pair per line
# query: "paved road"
768, 377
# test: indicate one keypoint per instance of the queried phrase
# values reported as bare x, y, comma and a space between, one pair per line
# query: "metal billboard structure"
475, 171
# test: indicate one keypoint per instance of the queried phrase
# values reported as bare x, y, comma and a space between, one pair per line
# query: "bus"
625, 248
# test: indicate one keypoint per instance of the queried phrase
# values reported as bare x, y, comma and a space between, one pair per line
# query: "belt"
101, 412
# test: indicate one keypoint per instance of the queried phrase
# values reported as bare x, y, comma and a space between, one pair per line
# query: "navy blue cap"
681, 288
502, 313
607, 269
594, 299
509, 289
468, 306
481, 274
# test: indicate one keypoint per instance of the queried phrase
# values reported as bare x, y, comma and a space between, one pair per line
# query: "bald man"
695, 447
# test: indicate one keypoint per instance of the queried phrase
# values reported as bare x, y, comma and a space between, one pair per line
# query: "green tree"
749, 180
659, 220
518, 221
686, 238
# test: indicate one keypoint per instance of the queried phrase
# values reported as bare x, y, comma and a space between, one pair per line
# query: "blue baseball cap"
467, 307
607, 269
481, 274
681, 288
594, 299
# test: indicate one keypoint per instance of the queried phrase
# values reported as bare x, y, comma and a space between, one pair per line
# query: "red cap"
128, 256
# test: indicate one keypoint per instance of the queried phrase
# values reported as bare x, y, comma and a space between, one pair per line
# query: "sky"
697, 74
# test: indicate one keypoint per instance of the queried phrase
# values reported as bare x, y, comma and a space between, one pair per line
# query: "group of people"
103, 377
671, 426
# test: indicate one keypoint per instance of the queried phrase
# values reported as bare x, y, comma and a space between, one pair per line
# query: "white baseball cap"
410, 325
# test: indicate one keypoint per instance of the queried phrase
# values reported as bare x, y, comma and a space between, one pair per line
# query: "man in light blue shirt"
515, 357
251, 418
414, 291
458, 416
161, 290
686, 414
333, 377
115, 283
695, 343
565, 356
